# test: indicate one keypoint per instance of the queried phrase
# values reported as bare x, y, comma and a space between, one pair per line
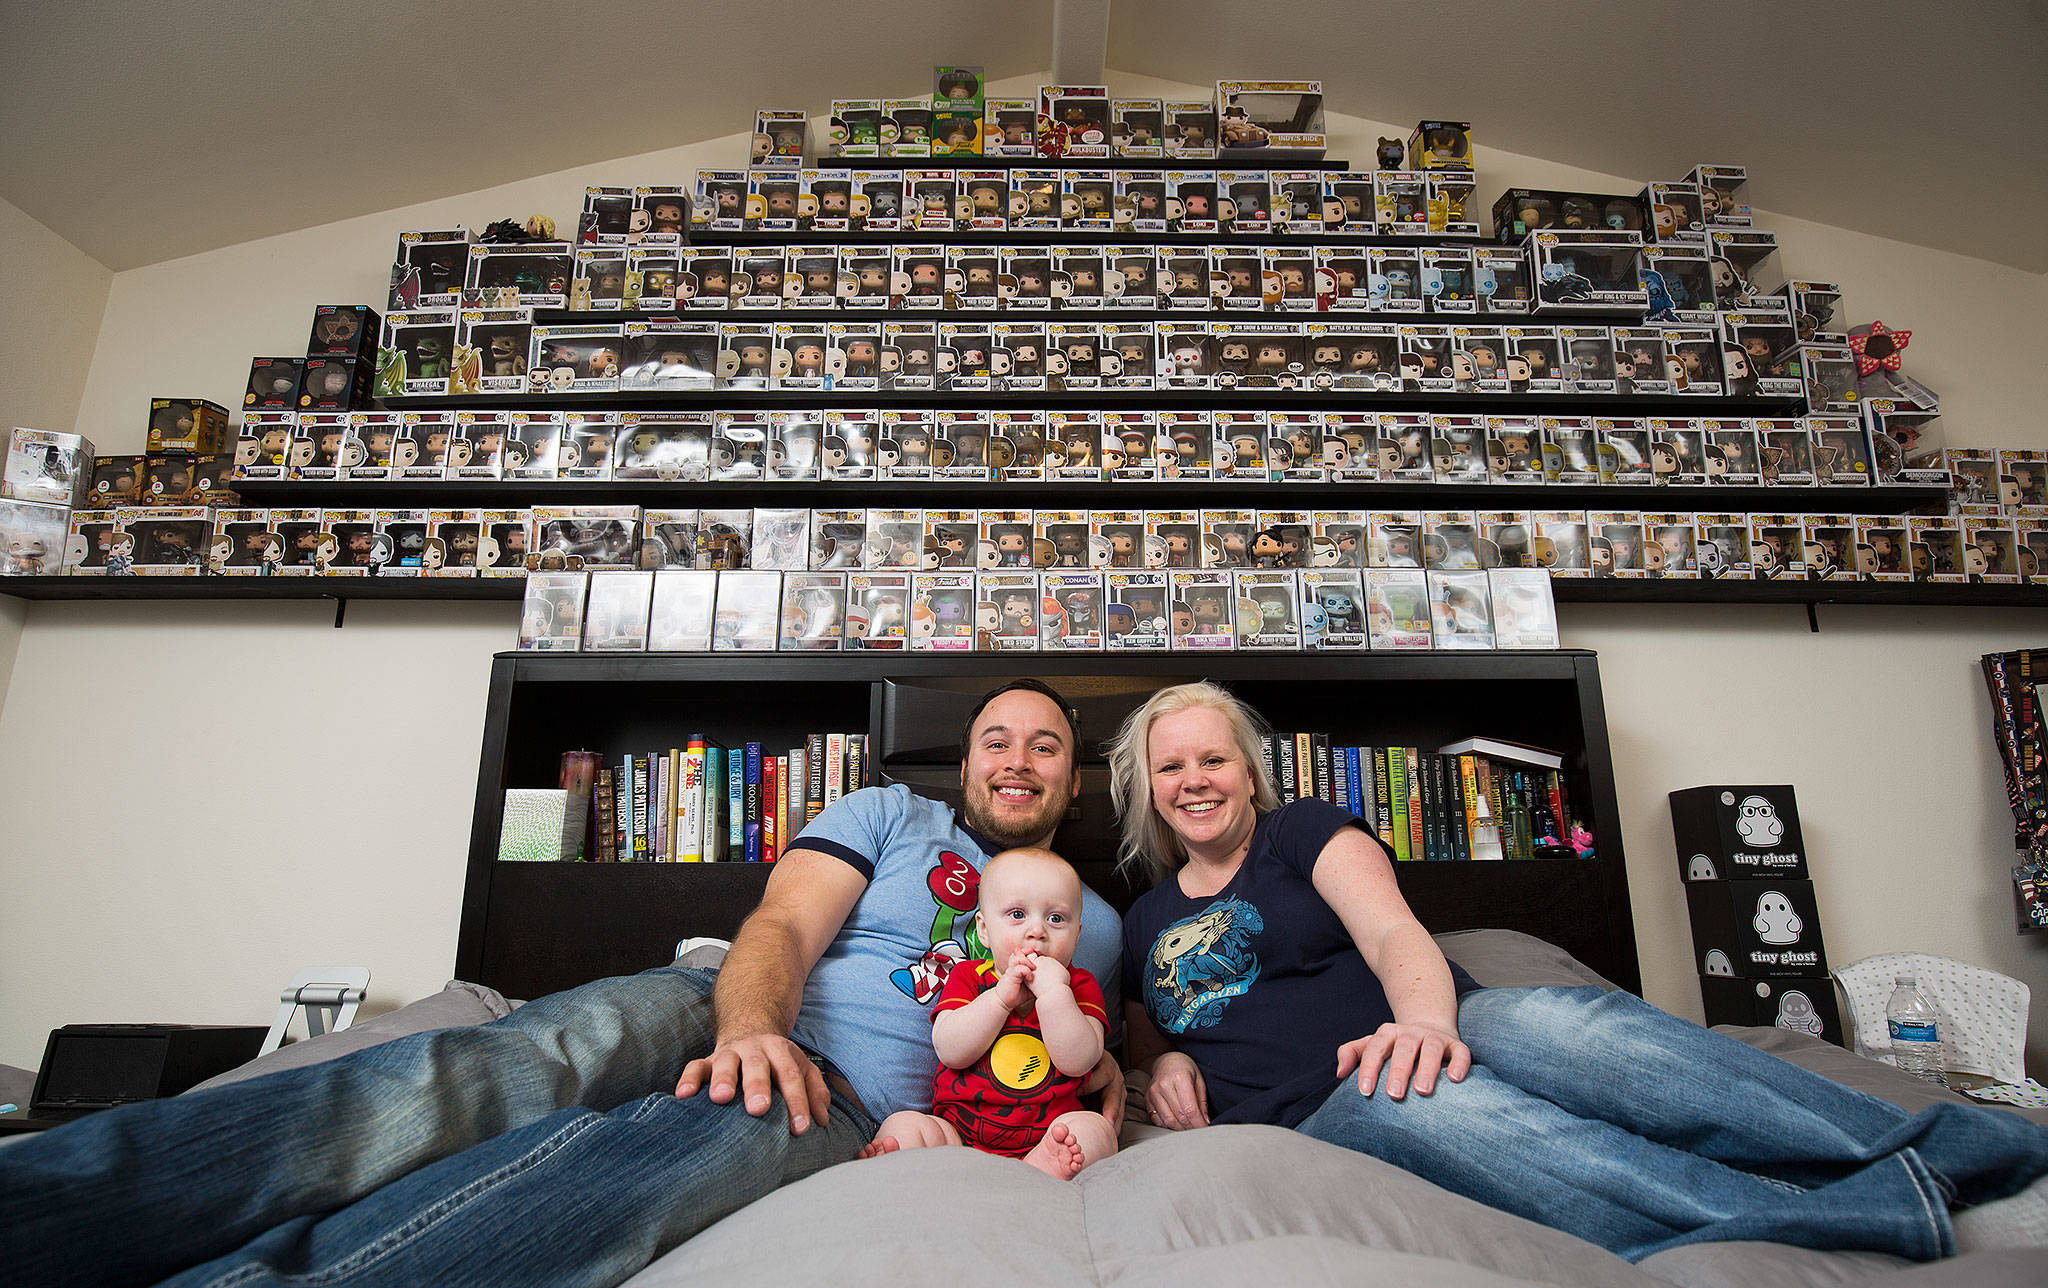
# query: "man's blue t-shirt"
867, 1004
1259, 983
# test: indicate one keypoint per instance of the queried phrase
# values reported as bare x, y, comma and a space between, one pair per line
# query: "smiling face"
1019, 774
1031, 902
1201, 784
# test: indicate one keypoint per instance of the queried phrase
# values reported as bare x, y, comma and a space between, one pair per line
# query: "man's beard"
1011, 829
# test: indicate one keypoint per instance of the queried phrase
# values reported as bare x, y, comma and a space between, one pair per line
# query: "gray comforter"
1257, 1205
1215, 1207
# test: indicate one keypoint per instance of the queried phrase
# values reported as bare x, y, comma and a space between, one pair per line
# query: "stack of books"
707, 803
1480, 798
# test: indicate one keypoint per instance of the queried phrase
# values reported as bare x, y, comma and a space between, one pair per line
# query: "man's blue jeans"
1597, 1114
546, 1147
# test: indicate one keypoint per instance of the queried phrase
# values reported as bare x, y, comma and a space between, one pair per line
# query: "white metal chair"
1982, 1014
328, 994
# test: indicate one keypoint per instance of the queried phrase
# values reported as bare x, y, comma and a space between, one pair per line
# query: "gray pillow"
458, 1003
1511, 959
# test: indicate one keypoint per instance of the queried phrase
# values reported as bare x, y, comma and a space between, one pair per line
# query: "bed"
1213, 1205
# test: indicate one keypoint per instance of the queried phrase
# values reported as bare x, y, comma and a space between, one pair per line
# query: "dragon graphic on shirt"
1199, 963
956, 888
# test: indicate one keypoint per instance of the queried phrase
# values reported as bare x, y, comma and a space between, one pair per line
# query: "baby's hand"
1048, 975
1010, 989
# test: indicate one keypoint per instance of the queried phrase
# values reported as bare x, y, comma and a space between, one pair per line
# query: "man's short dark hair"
1035, 686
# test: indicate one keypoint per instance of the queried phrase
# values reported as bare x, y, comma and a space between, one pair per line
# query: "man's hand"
1177, 1099
755, 1066
1010, 990
1412, 1054
1107, 1077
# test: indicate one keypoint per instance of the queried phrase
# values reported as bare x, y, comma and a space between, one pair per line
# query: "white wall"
204, 797
200, 798
56, 297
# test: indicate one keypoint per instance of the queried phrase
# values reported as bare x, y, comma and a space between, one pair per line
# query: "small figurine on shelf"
121, 555
507, 231
1878, 349
1391, 154
1661, 301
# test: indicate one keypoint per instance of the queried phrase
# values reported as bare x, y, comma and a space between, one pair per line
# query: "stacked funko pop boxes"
700, 312
1755, 929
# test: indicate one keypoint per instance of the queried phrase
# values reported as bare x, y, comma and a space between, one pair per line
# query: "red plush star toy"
1878, 346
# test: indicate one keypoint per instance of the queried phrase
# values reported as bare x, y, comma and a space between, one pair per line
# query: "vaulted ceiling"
142, 131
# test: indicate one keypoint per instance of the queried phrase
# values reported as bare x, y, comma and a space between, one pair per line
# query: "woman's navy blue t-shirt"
1259, 983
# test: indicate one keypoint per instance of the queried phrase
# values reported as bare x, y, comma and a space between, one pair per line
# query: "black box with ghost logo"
1730, 833
1755, 929
1805, 1004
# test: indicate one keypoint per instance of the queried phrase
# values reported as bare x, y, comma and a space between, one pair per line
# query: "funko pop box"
1727, 832
1267, 117
46, 466
186, 425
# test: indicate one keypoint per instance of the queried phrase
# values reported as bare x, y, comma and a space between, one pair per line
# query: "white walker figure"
1775, 922
1795, 1012
1759, 823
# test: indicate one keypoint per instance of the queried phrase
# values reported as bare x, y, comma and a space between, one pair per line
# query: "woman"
1279, 958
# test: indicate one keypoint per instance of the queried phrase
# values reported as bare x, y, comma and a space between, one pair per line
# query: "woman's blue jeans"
1597, 1114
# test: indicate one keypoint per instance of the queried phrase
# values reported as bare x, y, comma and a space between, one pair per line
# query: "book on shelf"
701, 802
773, 769
1431, 806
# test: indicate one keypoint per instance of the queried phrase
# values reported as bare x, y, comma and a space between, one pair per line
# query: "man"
545, 1147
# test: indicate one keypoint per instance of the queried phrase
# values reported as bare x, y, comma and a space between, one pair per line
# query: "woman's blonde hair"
1147, 843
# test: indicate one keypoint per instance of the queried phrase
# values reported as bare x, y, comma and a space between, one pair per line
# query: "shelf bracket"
1812, 617
341, 610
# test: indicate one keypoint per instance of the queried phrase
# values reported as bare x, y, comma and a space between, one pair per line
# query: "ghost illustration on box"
1795, 1011
1775, 922
1759, 823
1717, 964
1700, 868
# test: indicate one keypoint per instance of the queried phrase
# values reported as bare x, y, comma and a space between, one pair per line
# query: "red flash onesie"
1003, 1102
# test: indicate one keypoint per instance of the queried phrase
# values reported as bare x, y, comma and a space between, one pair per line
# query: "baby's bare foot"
1057, 1154
879, 1146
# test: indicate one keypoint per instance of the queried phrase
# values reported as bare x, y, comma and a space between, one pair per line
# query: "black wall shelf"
1084, 317
1246, 397
1238, 161
970, 494
1567, 590
533, 928
218, 588
1077, 237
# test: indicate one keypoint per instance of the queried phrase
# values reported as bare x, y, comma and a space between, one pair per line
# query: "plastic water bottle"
1916, 1042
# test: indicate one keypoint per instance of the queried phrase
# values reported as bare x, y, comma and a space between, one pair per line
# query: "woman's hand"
1176, 1098
1412, 1054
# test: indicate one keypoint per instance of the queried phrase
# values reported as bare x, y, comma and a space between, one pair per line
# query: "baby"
1018, 1031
